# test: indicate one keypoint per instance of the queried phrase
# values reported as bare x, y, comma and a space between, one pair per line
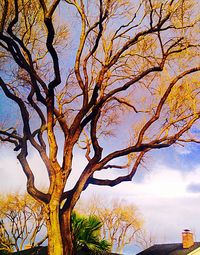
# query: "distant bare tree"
21, 221
122, 221
145, 239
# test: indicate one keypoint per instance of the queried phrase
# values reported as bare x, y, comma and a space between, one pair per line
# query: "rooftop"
169, 249
43, 251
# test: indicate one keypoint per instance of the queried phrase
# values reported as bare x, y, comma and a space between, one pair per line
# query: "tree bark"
55, 244
66, 231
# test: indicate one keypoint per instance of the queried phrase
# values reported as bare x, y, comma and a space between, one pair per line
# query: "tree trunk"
55, 244
67, 233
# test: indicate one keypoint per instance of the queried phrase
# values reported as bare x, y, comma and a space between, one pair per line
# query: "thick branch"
14, 49
97, 148
33, 191
119, 179
52, 51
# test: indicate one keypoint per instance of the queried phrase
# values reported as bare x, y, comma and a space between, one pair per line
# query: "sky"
166, 190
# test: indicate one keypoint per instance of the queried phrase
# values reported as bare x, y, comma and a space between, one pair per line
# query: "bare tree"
6, 245
145, 239
128, 67
22, 221
122, 222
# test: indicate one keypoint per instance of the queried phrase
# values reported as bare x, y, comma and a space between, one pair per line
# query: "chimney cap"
187, 239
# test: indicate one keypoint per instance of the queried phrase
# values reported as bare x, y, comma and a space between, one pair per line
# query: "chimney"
187, 239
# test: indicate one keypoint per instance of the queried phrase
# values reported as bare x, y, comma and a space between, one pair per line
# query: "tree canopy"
81, 71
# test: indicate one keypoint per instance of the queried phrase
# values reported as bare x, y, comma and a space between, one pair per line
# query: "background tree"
6, 245
21, 221
132, 68
122, 221
145, 239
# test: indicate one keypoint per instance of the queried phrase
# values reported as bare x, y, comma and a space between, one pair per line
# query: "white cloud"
162, 182
164, 200
12, 178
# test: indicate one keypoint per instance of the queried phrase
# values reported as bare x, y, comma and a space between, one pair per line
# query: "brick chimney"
187, 239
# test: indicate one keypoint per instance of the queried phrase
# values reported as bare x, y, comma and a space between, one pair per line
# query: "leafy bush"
86, 234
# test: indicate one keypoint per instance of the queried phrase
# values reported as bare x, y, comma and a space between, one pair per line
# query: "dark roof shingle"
169, 249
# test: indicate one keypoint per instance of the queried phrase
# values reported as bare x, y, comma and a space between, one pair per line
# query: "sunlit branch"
189, 140
42, 241
134, 40
81, 44
172, 139
53, 83
116, 166
116, 35
95, 46
129, 70
52, 8
91, 168
166, 126
60, 117
162, 102
87, 142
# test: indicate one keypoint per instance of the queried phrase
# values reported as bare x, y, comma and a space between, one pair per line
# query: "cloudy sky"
166, 190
